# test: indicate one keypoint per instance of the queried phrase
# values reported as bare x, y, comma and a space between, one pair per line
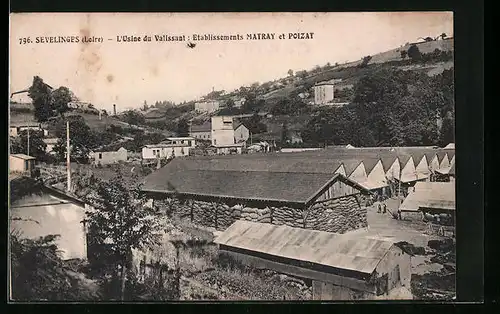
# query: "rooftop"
437, 195
161, 145
205, 127
353, 252
22, 156
242, 178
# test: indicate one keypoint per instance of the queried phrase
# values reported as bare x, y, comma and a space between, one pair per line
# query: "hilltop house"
106, 158
323, 93
207, 106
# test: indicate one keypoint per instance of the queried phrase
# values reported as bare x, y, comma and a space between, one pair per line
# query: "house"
201, 132
48, 211
107, 158
341, 267
51, 143
190, 141
156, 151
21, 163
241, 133
207, 106
17, 127
222, 131
276, 189
323, 93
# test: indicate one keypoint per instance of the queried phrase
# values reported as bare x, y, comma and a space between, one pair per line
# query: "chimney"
114, 109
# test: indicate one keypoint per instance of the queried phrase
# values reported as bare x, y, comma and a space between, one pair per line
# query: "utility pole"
28, 153
68, 159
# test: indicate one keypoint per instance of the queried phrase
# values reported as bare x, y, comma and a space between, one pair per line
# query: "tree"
414, 53
134, 118
301, 74
40, 93
229, 104
255, 125
443, 36
81, 139
182, 128
61, 97
123, 222
290, 72
365, 61
39, 273
36, 144
404, 54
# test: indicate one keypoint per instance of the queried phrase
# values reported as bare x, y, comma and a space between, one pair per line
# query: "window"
215, 142
100, 155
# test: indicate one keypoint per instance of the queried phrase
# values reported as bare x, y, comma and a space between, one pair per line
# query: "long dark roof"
243, 178
205, 127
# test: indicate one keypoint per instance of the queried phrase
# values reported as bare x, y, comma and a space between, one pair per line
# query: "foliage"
48, 103
82, 139
133, 117
414, 53
404, 54
290, 72
182, 128
121, 220
391, 107
61, 97
39, 273
255, 125
36, 144
289, 106
365, 61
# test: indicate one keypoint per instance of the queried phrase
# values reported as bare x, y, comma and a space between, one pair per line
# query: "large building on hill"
207, 106
216, 191
323, 93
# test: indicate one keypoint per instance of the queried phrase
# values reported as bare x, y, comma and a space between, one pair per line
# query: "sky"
127, 74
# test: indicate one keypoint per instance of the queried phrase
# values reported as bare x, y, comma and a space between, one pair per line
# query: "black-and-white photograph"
231, 157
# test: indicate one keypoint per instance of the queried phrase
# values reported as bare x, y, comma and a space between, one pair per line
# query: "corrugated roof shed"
344, 252
436, 195
22, 156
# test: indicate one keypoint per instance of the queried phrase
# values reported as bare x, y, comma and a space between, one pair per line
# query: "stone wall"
338, 215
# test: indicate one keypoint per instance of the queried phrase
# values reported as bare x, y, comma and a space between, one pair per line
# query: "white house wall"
409, 169
394, 170
434, 164
445, 162
165, 152
377, 174
241, 134
423, 166
341, 170
359, 174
